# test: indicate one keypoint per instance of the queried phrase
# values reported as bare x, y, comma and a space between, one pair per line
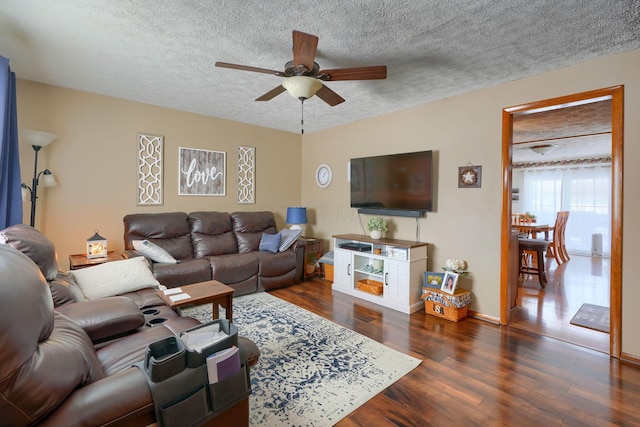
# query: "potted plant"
376, 226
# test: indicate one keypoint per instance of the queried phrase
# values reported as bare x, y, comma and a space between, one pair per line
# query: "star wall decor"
469, 176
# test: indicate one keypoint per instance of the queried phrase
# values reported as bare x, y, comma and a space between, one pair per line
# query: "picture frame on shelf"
449, 282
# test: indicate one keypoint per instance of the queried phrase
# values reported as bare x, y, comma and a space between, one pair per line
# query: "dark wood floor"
548, 311
474, 373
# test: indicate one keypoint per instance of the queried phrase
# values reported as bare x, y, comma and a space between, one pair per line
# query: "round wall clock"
324, 175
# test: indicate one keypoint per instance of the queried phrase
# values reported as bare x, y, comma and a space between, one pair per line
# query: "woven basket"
371, 286
439, 304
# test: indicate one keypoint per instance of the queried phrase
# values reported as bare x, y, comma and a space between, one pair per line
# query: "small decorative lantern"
96, 246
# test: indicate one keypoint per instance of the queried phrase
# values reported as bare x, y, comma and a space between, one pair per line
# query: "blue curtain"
10, 191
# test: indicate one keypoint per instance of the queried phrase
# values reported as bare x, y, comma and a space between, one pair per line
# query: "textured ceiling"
578, 132
162, 52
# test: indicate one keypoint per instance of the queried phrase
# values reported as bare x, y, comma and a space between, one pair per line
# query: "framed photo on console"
433, 279
449, 282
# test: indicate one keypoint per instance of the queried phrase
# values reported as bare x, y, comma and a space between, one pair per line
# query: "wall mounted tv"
401, 182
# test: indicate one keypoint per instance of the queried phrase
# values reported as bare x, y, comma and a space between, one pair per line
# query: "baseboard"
483, 317
630, 358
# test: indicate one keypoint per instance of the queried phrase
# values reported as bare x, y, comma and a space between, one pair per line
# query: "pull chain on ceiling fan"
303, 77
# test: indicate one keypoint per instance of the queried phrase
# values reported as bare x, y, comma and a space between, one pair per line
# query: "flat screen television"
395, 182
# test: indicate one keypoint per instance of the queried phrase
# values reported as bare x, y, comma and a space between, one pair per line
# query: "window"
584, 190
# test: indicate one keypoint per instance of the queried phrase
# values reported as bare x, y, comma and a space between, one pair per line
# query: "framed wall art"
246, 175
150, 150
469, 176
201, 172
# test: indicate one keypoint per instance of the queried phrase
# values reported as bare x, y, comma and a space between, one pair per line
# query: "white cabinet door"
343, 269
397, 281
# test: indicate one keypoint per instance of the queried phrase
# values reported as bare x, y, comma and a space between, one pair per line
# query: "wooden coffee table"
211, 291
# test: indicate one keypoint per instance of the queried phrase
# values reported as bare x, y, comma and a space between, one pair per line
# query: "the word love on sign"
201, 172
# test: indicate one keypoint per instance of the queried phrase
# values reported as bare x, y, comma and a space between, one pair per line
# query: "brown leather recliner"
103, 319
50, 372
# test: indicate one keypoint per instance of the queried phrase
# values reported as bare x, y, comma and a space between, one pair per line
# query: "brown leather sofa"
218, 246
67, 361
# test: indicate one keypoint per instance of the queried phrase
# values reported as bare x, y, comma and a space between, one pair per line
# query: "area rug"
593, 317
311, 372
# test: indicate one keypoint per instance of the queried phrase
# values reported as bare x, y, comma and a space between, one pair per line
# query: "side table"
207, 292
78, 261
312, 253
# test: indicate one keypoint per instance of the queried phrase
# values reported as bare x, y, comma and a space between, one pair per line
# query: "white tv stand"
400, 267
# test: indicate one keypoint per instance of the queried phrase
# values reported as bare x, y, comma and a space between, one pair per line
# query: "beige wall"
463, 129
100, 132
94, 160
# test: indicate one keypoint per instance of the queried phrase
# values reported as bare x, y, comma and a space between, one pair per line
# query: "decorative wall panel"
150, 149
246, 175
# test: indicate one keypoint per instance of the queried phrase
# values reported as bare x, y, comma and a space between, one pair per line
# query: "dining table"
534, 229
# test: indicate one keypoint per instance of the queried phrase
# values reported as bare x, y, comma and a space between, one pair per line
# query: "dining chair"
530, 249
557, 247
526, 256
519, 219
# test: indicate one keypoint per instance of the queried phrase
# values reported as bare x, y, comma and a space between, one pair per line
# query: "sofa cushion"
212, 234
289, 237
65, 290
249, 226
144, 298
105, 317
276, 264
170, 231
187, 271
270, 242
230, 269
123, 353
113, 278
153, 251
33, 244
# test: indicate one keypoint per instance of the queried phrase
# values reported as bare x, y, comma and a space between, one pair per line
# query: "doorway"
615, 94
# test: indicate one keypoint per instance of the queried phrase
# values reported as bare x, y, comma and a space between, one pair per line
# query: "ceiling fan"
303, 76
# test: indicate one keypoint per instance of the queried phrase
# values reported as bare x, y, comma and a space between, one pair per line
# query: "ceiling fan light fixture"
543, 149
302, 87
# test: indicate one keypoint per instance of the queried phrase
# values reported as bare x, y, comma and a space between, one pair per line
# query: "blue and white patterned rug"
311, 372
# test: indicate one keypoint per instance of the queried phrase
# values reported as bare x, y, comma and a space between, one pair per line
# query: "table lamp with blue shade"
296, 216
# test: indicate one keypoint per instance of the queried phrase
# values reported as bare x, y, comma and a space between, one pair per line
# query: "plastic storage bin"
194, 358
165, 358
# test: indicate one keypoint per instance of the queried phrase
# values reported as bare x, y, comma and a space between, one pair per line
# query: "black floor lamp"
37, 140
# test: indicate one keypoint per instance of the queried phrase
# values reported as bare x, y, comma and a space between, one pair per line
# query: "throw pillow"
115, 278
288, 237
270, 242
153, 251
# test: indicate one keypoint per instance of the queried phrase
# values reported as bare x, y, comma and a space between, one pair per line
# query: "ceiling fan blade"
359, 73
304, 49
272, 93
329, 96
247, 68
